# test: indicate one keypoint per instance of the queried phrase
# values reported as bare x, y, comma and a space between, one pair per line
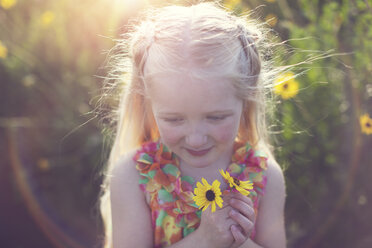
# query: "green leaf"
171, 169
145, 158
188, 179
143, 181
182, 223
165, 196
235, 168
187, 231
152, 173
198, 213
260, 153
159, 220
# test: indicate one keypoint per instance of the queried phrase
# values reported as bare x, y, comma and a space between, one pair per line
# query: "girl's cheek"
170, 135
225, 132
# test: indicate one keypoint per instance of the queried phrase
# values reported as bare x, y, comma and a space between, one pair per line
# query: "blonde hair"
203, 40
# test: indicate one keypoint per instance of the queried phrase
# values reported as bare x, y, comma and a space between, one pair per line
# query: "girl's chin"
198, 162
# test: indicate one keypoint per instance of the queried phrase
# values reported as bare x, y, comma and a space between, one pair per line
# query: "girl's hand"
215, 228
243, 214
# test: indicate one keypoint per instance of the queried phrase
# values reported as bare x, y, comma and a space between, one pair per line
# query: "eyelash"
216, 118
173, 120
212, 118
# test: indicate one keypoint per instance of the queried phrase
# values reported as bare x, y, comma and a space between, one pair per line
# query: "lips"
198, 153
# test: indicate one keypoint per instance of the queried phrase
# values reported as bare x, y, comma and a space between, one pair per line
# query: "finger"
243, 222
243, 208
238, 235
242, 197
225, 208
224, 211
226, 199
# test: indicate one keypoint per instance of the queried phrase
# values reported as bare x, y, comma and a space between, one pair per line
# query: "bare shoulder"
275, 177
275, 188
124, 171
270, 218
130, 213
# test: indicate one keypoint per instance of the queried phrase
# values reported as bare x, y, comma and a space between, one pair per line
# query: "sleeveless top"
173, 210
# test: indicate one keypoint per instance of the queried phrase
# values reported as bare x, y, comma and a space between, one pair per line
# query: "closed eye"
216, 118
173, 120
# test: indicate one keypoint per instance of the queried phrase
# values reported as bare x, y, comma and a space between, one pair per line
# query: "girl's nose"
196, 140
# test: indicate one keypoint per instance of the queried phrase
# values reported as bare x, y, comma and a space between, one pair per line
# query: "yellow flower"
3, 51
206, 195
47, 18
271, 19
29, 80
366, 124
43, 164
271, 1
242, 186
7, 4
286, 86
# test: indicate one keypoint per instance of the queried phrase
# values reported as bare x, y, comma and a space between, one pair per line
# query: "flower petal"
213, 207
205, 182
219, 202
216, 184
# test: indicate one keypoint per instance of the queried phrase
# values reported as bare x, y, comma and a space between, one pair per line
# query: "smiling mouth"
199, 152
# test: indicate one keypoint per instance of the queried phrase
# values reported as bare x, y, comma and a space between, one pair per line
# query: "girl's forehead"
182, 92
183, 82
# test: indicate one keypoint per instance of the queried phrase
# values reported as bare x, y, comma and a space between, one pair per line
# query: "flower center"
285, 86
236, 181
210, 195
368, 124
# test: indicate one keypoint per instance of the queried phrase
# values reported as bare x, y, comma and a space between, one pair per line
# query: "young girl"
193, 105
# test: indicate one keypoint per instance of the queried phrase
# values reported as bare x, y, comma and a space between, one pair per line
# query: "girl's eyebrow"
224, 111
168, 113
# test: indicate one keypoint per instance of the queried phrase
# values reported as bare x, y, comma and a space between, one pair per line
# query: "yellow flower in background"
29, 80
242, 186
7, 4
47, 18
271, 19
3, 51
231, 4
271, 1
43, 164
366, 124
206, 194
286, 86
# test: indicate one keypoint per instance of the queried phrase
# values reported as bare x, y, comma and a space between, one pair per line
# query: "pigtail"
247, 41
249, 84
135, 123
256, 65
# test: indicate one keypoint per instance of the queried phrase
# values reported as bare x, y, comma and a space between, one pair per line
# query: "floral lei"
172, 194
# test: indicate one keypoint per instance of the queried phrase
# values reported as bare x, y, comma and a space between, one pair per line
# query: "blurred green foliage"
52, 55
